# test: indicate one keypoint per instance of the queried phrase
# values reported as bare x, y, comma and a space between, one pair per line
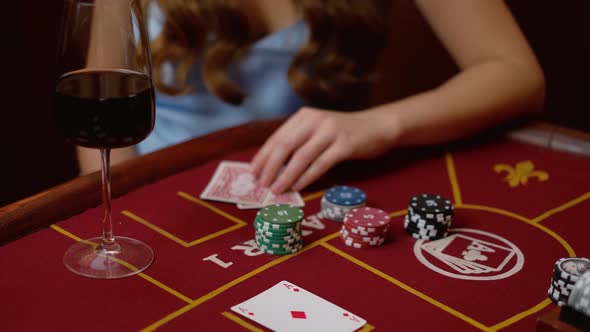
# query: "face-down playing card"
233, 182
288, 307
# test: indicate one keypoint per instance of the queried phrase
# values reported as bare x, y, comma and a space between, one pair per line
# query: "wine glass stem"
108, 242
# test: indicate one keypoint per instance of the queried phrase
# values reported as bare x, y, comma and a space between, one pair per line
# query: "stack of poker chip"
365, 227
566, 273
278, 229
429, 217
338, 200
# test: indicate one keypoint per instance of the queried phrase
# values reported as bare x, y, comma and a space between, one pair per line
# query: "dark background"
34, 158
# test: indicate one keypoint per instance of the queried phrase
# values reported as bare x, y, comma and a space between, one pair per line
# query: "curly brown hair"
330, 70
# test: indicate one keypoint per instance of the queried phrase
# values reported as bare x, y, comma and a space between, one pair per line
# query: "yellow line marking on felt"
165, 287
129, 266
562, 207
70, 235
521, 315
398, 213
367, 328
176, 239
313, 196
549, 232
216, 234
453, 178
406, 287
233, 283
241, 322
154, 227
211, 207
238, 222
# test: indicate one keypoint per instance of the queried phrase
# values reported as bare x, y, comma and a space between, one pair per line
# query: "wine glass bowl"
104, 99
91, 116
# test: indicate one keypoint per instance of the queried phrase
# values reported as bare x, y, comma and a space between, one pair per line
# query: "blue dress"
261, 73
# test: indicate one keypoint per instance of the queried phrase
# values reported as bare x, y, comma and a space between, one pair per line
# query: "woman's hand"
312, 141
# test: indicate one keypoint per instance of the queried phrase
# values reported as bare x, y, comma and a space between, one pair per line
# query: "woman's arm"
499, 79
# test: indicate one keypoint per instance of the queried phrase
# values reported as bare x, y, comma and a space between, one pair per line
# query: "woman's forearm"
478, 97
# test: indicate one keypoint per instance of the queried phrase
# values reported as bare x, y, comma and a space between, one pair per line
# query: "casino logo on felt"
471, 254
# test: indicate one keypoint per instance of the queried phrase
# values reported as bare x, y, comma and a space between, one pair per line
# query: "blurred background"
33, 158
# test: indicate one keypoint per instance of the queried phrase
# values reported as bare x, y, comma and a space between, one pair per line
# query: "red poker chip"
351, 242
358, 238
359, 245
366, 218
354, 244
362, 234
372, 232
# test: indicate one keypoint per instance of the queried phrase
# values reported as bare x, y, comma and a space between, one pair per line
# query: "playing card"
287, 307
291, 198
233, 182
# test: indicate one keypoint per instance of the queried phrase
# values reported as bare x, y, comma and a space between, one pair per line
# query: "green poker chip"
279, 246
278, 232
281, 214
278, 236
276, 239
277, 229
289, 242
261, 224
280, 252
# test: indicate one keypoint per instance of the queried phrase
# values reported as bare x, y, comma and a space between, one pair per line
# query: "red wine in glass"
90, 115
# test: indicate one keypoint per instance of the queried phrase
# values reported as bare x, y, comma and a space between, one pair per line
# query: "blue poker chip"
345, 196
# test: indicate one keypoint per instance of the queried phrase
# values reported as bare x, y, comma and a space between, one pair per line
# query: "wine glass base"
130, 258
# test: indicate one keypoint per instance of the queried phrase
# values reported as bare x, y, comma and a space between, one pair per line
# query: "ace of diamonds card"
288, 307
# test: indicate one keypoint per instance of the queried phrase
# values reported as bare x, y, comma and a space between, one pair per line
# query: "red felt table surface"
401, 285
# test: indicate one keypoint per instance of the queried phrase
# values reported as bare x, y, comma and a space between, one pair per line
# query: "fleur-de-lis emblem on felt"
521, 173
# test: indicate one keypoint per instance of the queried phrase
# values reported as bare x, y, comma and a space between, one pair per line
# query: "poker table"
522, 206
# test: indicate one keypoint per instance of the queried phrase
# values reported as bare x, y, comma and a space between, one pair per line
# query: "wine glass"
104, 99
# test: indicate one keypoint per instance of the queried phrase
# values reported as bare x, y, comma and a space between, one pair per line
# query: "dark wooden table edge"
550, 322
554, 137
46, 208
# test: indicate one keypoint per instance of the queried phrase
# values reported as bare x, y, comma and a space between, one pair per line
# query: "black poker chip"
429, 204
421, 225
566, 272
426, 232
429, 217
571, 268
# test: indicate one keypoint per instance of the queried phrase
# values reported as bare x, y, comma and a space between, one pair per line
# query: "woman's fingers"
301, 159
261, 157
280, 146
328, 159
